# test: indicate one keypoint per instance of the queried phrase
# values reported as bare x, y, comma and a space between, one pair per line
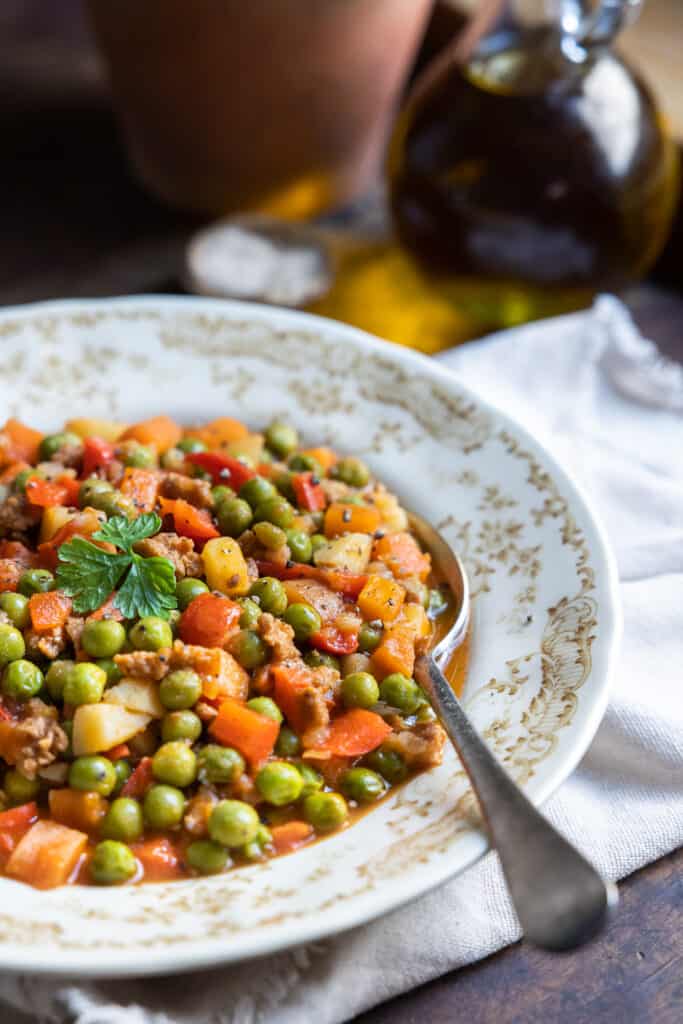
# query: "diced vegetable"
355, 732
351, 553
326, 602
14, 824
86, 427
414, 617
141, 779
290, 682
324, 456
341, 518
159, 859
224, 469
136, 695
188, 521
53, 519
98, 727
47, 855
108, 610
159, 431
49, 611
394, 518
252, 734
79, 809
381, 598
97, 454
401, 553
395, 653
291, 835
24, 442
308, 494
9, 575
209, 620
219, 432
47, 493
251, 446
83, 524
225, 568
142, 487
335, 641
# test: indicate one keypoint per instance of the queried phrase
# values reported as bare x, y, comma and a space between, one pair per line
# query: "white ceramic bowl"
545, 604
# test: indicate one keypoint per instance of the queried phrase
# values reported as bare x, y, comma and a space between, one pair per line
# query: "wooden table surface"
72, 223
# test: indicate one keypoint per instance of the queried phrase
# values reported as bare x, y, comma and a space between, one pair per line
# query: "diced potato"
136, 695
326, 602
350, 552
381, 598
394, 518
224, 566
99, 727
47, 855
54, 518
414, 617
251, 446
108, 430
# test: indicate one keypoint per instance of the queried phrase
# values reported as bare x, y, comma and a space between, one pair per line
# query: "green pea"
318, 659
84, 683
303, 619
362, 785
123, 772
276, 510
249, 649
269, 535
250, 614
151, 634
317, 541
35, 581
359, 690
93, 773
437, 603
401, 692
187, 589
68, 730
288, 743
279, 783
94, 493
256, 490
351, 471
112, 863
388, 763
52, 443
267, 457
175, 764
181, 725
233, 823
110, 669
255, 850
221, 493
281, 438
191, 444
22, 680
117, 504
325, 811
270, 594
265, 706
15, 606
12, 646
140, 457
234, 516
123, 820
300, 547
56, 677
103, 638
173, 459
425, 712
305, 464
22, 478
285, 485
219, 764
19, 789
313, 781
369, 637
207, 857
163, 807
180, 689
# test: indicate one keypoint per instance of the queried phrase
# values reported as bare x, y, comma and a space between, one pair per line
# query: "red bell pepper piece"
308, 492
45, 493
332, 640
188, 521
224, 469
97, 454
14, 824
346, 583
141, 779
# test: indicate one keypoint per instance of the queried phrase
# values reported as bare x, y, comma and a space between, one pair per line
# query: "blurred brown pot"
280, 105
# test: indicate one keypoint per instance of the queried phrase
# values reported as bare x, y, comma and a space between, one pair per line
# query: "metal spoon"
560, 899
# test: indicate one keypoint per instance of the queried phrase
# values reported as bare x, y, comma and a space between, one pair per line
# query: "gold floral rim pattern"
531, 566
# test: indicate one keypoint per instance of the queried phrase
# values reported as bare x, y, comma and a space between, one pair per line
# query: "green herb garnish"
88, 574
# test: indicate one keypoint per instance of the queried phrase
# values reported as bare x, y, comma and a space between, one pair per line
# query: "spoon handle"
560, 899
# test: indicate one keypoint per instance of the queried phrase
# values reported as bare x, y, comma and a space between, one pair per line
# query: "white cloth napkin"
575, 381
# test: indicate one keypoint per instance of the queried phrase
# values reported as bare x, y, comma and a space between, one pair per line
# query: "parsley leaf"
88, 574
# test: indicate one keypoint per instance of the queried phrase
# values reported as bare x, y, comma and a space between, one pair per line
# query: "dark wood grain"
73, 222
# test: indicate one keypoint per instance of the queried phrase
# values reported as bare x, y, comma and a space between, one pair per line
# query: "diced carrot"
71, 488
401, 553
108, 610
188, 521
24, 441
309, 494
14, 824
117, 752
344, 518
219, 432
17, 551
291, 835
290, 682
45, 493
12, 470
249, 732
97, 453
77, 808
355, 732
142, 487
325, 456
141, 779
395, 653
47, 854
10, 574
209, 620
49, 610
160, 431
381, 598
159, 859
347, 583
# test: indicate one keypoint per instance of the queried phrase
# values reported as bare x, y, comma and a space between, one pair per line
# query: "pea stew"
207, 639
